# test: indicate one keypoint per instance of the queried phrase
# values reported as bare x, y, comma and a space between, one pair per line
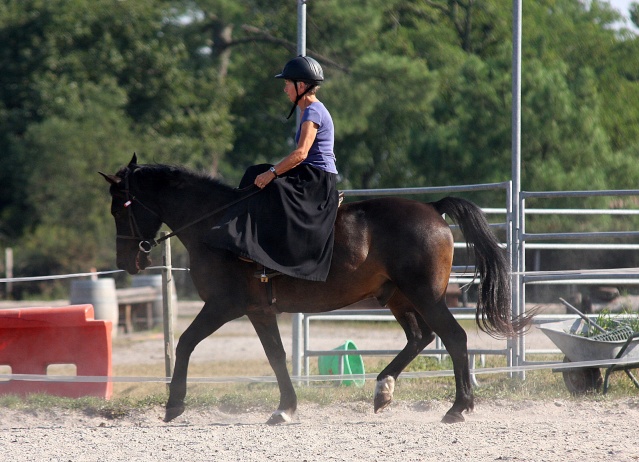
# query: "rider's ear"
111, 178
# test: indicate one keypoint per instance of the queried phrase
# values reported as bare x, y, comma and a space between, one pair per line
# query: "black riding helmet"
302, 69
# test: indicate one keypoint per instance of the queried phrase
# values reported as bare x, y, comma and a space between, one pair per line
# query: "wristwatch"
272, 169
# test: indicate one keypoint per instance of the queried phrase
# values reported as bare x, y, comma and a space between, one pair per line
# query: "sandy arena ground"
560, 430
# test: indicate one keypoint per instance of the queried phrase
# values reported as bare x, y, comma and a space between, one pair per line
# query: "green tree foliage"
73, 229
388, 102
420, 91
83, 85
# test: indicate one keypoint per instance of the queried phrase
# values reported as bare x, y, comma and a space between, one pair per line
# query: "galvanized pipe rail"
618, 276
384, 315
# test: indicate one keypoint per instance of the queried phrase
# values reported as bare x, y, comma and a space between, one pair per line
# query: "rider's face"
289, 89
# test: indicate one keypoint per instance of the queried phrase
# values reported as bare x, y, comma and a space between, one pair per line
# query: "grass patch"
608, 322
264, 397
91, 406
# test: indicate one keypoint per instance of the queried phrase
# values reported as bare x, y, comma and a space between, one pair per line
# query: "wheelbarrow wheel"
583, 380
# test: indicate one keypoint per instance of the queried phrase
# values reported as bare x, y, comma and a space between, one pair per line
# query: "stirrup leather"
266, 274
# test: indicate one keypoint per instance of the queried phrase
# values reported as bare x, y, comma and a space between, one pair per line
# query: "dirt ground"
558, 430
522, 431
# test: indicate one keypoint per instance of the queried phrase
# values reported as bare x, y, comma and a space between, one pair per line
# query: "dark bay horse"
396, 250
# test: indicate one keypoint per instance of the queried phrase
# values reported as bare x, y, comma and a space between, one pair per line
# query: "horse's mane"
180, 176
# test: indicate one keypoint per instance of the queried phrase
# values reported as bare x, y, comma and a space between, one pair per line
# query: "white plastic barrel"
101, 294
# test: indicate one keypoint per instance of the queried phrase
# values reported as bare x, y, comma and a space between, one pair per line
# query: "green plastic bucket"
353, 365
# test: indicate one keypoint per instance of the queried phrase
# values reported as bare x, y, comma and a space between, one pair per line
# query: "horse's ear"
111, 178
134, 159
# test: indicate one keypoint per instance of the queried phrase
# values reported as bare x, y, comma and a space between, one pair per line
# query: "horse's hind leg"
418, 336
443, 323
204, 324
267, 330
455, 340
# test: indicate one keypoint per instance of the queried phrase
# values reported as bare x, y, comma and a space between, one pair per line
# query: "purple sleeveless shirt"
321, 154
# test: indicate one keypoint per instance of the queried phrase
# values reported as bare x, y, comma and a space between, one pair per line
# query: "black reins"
146, 245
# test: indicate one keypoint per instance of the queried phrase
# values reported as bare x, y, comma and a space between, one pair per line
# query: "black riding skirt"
287, 226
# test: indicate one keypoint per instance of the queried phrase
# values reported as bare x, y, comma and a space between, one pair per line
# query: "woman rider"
288, 225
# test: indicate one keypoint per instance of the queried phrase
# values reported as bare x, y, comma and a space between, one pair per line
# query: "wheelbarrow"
571, 337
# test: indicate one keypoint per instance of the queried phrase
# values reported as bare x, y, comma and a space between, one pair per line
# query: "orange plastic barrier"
31, 339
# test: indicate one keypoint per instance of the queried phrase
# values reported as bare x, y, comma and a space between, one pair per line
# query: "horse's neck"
187, 208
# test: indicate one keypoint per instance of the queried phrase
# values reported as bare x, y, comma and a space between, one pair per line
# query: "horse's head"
136, 222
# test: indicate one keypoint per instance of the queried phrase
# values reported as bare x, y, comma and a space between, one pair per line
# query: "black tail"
492, 266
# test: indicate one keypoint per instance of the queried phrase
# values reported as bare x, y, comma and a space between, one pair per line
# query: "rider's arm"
307, 137
296, 157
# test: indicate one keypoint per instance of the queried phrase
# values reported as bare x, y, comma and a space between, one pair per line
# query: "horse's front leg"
205, 323
267, 330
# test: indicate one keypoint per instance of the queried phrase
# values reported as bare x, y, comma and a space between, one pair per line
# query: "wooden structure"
135, 306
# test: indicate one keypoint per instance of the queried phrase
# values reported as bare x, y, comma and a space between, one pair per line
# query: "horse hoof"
453, 417
173, 412
278, 418
384, 393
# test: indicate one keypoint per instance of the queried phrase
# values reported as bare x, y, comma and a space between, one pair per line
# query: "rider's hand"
264, 178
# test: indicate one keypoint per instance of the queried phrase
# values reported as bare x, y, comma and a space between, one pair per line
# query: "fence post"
8, 269
512, 246
520, 357
297, 347
168, 308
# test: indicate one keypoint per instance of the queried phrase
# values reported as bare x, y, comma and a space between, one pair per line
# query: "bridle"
145, 245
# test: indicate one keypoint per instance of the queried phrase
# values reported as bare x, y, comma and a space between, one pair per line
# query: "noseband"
145, 245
